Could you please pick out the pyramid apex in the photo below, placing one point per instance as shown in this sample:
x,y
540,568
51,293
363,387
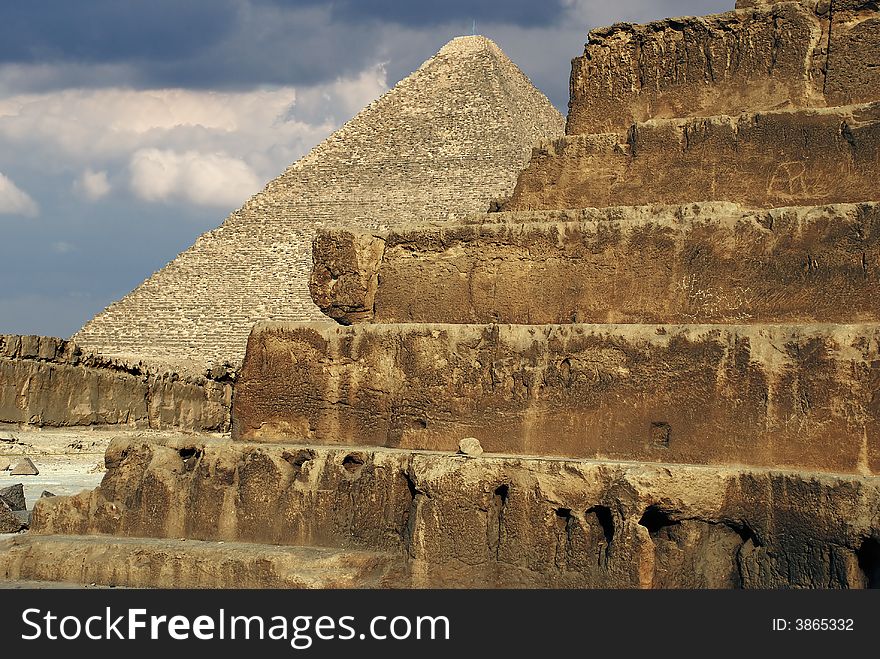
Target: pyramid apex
x,y
468,45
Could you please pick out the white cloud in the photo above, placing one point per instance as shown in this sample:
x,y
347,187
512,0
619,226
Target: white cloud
x,y
213,179
15,201
200,147
92,185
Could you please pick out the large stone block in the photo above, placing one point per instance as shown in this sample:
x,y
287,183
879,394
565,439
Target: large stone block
x,y
49,382
457,521
803,396
705,263
764,57
786,158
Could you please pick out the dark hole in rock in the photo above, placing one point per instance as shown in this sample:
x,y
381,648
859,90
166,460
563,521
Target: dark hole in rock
x,y
420,424
655,519
187,453
605,519
353,462
298,459
190,457
869,562
501,492
745,532
411,485
661,432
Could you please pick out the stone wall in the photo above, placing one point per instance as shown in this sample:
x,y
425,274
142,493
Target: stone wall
x,y
764,57
763,160
454,521
45,381
702,263
770,395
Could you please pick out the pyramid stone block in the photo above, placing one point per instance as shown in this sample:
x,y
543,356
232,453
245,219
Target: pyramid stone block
x,y
442,144
771,395
784,158
766,56
704,263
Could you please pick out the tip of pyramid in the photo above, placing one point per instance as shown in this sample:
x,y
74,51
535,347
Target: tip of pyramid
x,y
468,45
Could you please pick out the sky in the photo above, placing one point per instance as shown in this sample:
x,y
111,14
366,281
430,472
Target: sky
x,y
129,128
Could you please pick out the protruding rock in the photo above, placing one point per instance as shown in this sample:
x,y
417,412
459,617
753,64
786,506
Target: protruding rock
x,y
4,464
9,521
14,497
470,446
46,493
24,467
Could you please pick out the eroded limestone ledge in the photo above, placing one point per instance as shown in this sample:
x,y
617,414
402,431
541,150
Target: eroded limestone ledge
x,y
491,521
704,263
766,56
182,563
796,395
46,381
785,158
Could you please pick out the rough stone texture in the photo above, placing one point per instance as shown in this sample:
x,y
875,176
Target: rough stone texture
x,y
785,158
9,521
24,467
189,564
792,54
795,395
470,446
46,381
705,263
495,521
14,497
443,143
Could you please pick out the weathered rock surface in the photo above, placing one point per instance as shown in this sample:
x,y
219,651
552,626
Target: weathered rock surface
x,y
140,563
496,521
441,144
46,381
765,57
9,521
470,446
771,395
14,497
705,263
784,158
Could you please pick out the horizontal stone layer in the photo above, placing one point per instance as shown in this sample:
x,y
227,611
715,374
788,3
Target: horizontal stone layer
x,y
785,158
706,263
146,563
45,381
489,521
792,54
796,395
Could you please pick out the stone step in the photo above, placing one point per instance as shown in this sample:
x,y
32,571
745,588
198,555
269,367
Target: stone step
x,y
783,158
765,56
705,263
163,563
458,521
797,395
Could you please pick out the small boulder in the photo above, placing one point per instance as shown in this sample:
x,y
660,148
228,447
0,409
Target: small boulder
x,y
14,497
470,446
24,467
9,521
46,493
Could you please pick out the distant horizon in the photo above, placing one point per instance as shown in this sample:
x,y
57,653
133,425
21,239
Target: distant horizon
x,y
120,146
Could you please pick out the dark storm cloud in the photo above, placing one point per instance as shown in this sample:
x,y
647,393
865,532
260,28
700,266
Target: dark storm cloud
x,y
110,30
518,12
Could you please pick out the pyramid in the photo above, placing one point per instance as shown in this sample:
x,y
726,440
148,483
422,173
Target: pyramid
x,y
441,144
